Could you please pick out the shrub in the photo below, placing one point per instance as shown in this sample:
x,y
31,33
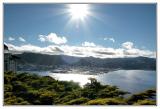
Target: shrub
x,y
89,93
25,88
15,101
106,101
148,94
19,87
77,101
145,102
31,96
8,87
9,77
65,99
110,92
47,97
8,94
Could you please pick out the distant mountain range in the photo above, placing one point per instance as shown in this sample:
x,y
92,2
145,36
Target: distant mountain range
x,y
50,61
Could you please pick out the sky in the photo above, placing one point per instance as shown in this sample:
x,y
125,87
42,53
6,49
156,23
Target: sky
x,y
98,30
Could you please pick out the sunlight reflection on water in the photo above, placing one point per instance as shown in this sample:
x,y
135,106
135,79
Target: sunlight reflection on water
x,y
128,80
80,78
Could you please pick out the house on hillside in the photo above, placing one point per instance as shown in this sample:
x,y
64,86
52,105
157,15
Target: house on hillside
x,y
10,61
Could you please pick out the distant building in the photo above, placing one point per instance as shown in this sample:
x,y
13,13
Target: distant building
x,y
10,61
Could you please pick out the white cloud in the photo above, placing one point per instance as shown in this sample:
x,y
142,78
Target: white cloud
x,y
84,51
42,38
11,39
110,39
22,39
35,49
127,45
88,44
53,38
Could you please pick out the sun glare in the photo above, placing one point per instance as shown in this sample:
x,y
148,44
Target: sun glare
x,y
78,11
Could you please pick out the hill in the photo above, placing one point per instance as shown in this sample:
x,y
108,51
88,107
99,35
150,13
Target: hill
x,y
51,61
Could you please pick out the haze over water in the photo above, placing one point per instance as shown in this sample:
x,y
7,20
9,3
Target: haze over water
x,y
129,80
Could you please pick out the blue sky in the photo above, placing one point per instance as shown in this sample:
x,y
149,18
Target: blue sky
x,y
108,25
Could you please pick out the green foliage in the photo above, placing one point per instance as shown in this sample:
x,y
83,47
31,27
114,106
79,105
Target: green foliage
x,y
15,101
69,86
47,97
142,96
111,91
32,96
8,94
31,89
9,77
94,84
89,93
106,101
8,87
77,101
145,102
67,96
19,86
95,90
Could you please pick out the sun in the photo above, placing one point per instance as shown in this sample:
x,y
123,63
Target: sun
x,y
78,11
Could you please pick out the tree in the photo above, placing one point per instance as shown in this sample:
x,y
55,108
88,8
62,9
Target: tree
x,y
47,97
77,101
107,101
145,102
148,94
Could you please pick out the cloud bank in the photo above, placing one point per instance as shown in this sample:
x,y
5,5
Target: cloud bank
x,y
127,45
53,38
11,39
87,49
22,39
88,44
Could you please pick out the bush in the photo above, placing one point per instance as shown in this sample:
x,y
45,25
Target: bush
x,y
107,101
89,93
8,87
145,102
77,101
47,97
8,94
65,99
15,101
110,92
141,96
25,88
19,87
32,96
9,77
